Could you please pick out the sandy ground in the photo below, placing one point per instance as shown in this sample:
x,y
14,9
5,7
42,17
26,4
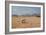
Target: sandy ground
x,y
25,22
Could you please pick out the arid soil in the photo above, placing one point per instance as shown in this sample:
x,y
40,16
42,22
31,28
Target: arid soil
x,y
25,21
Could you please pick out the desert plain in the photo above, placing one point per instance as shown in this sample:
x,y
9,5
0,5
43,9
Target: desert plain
x,y
25,22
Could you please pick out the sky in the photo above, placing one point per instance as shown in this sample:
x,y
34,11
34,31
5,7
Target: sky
x,y
22,10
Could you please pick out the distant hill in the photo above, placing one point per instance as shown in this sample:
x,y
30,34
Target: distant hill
x,y
38,15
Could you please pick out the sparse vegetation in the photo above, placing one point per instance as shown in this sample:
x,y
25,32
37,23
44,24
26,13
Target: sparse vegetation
x,y
25,21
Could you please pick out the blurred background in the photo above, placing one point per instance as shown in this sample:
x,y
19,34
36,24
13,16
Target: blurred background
x,y
26,11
